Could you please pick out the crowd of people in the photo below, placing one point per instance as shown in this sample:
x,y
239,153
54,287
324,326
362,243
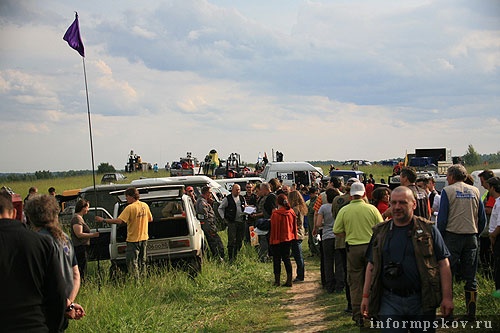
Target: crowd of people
x,y
394,254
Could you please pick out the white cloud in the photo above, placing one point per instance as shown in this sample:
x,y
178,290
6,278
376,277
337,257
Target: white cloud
x,y
363,79
141,32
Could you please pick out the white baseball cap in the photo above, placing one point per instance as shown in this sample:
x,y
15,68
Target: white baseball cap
x,y
357,189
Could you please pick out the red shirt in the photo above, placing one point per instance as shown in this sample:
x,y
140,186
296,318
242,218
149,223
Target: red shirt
x,y
369,190
283,226
382,207
490,203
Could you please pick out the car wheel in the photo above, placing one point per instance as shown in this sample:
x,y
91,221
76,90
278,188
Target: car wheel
x,y
194,267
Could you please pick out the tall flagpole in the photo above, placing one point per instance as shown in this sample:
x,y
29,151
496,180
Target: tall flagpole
x,y
72,36
93,172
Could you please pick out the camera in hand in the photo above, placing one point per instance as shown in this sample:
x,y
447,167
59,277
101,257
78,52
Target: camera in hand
x,y
393,270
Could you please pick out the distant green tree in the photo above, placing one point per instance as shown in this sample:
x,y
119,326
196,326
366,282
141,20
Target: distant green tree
x,y
492,158
105,168
45,174
472,157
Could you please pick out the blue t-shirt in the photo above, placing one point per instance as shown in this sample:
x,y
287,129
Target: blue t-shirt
x,y
398,248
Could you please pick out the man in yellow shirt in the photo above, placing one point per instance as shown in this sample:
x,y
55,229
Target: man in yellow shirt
x,y
136,215
355,222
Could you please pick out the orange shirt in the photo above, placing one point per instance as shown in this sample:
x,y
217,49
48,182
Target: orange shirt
x,y
283,226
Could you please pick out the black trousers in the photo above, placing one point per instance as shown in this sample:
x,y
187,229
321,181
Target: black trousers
x,y
281,252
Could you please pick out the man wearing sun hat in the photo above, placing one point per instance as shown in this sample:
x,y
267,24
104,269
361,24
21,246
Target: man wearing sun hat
x,y
355,222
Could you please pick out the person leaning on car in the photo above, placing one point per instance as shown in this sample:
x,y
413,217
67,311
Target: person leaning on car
x,y
137,216
206,215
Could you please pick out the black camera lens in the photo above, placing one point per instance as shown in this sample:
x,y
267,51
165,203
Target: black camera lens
x,y
393,270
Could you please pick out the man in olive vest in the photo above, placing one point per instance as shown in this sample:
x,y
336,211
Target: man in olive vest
x,y
401,282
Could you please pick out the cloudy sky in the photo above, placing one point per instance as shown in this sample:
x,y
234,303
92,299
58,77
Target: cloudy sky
x,y
317,80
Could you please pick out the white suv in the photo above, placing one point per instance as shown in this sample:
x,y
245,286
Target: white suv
x,y
175,234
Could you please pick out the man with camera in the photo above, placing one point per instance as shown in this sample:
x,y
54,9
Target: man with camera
x,y
402,284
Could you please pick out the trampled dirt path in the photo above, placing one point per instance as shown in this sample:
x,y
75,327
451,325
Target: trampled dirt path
x,y
306,314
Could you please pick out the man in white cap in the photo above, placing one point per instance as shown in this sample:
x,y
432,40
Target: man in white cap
x,y
355,222
339,202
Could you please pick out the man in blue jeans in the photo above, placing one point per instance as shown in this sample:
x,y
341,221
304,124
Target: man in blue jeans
x,y
460,220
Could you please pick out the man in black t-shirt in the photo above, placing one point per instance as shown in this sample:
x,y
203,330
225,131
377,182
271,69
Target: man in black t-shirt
x,y
31,282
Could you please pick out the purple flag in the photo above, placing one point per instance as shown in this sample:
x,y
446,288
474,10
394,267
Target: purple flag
x,y
72,36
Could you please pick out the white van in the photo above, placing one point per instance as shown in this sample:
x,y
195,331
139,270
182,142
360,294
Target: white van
x,y
300,173
477,180
228,183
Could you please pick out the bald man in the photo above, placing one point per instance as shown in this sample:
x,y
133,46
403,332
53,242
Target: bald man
x,y
400,274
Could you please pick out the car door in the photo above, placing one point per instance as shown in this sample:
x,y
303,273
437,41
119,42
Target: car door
x,y
99,247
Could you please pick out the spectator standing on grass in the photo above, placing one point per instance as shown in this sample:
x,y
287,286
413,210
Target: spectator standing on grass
x,y
408,177
355,221
494,229
400,275
43,212
283,232
434,198
137,216
52,191
331,260
251,200
275,185
231,209
300,209
206,215
381,198
81,235
340,246
460,220
485,248
265,207
370,187
32,288
33,191
335,184
313,196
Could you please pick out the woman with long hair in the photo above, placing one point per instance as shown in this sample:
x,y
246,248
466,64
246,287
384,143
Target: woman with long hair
x,y
283,232
296,201
81,235
43,212
381,197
